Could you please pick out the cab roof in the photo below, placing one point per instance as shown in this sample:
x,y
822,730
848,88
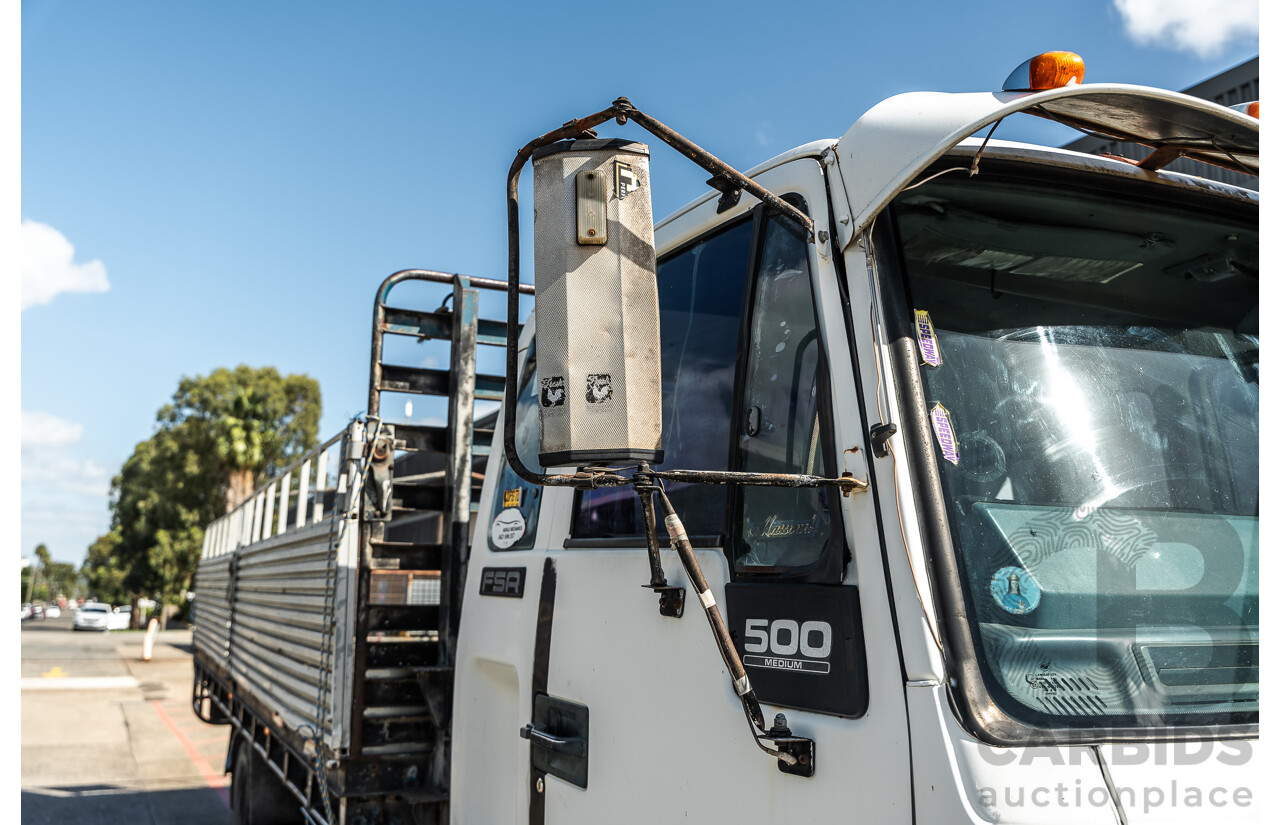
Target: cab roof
x,y
897,139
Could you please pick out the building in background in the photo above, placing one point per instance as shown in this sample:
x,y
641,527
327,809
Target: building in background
x,y
1236,85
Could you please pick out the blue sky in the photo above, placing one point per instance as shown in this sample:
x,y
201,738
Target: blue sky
x,y
208,184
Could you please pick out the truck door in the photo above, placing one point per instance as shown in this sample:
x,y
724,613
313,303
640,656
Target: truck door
x,y
629,715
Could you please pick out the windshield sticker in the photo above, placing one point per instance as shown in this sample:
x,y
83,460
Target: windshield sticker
x,y
507,528
1015,590
776,528
929,352
511,498
946,435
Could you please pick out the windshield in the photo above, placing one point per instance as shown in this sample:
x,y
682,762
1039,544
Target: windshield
x,y
1090,371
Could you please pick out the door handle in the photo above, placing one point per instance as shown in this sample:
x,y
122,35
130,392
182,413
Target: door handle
x,y
558,735
568,745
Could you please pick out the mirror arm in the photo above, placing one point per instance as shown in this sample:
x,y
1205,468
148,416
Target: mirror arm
x,y
711,163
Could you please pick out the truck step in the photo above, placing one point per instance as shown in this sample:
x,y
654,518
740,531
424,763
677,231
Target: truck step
x,y
409,618
398,712
399,749
439,325
424,438
393,656
391,692
406,555
412,497
422,796
419,732
422,381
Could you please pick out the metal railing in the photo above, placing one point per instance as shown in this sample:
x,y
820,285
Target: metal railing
x,y
298,495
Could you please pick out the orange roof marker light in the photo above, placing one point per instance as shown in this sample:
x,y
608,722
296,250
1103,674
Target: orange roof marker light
x,y
1250,109
1050,70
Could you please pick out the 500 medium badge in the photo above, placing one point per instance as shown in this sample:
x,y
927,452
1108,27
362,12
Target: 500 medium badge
x,y
793,646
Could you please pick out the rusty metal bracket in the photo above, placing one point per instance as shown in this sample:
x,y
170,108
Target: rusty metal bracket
x,y
378,493
670,597
731,178
730,195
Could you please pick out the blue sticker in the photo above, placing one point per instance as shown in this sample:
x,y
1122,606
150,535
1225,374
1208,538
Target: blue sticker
x,y
1015,590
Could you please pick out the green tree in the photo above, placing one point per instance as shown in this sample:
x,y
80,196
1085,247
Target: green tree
x,y
213,445
249,421
37,584
104,571
61,578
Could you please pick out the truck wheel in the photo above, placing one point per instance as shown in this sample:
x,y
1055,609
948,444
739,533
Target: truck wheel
x,y
258,797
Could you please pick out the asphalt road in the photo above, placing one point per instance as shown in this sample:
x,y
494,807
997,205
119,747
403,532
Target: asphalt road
x,y
108,738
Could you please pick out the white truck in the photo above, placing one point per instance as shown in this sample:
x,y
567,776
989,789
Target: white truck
x,y
958,452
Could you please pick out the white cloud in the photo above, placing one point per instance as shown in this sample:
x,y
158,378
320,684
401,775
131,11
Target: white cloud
x,y
46,261
1202,28
63,477
39,429
64,496
51,470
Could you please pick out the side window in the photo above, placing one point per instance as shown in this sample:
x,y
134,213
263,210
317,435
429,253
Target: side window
x,y
781,429
700,291
513,519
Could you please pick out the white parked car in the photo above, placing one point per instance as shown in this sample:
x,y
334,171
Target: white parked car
x,y
119,618
93,616
52,611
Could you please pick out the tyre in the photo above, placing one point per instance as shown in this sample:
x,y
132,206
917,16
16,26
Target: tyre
x,y
258,797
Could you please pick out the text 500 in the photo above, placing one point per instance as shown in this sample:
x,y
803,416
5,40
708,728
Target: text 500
x,y
783,637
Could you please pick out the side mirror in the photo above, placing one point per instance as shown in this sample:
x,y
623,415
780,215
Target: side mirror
x,y
596,303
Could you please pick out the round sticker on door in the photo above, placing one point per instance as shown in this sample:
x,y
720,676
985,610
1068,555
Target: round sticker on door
x,y
1015,590
507,528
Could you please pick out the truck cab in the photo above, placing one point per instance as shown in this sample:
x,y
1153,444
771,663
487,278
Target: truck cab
x,y
1043,607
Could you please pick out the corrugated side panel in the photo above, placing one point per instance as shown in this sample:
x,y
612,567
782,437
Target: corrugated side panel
x,y
268,624
211,611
